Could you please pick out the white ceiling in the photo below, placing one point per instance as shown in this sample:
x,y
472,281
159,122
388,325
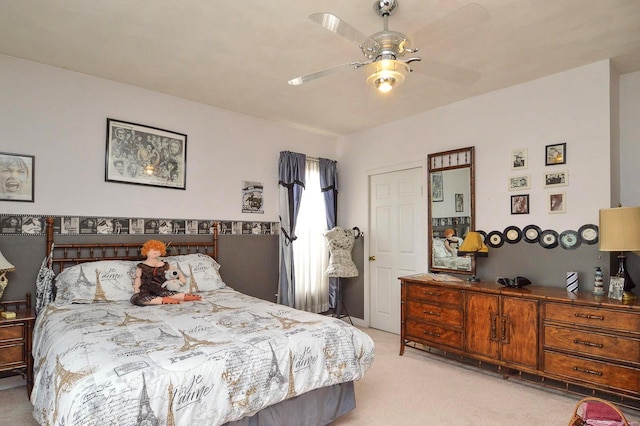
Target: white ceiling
x,y
239,55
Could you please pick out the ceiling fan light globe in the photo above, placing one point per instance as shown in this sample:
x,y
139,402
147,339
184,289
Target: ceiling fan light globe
x,y
386,74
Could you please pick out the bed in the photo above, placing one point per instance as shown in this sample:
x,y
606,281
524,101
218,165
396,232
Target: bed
x,y
227,359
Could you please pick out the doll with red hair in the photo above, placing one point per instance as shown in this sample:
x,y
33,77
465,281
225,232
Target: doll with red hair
x,y
150,275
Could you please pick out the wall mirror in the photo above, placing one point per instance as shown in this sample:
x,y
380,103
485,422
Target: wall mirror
x,y
451,209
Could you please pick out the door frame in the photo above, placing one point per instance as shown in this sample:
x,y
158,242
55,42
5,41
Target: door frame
x,y
422,164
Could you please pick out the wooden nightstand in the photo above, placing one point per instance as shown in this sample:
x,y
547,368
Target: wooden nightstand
x,y
15,339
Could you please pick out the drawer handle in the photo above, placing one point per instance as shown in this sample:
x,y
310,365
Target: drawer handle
x,y
584,370
589,316
581,342
431,333
432,293
437,314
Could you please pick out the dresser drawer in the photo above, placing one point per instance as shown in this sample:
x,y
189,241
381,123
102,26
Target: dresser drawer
x,y
11,332
434,313
608,375
433,333
602,345
11,355
593,317
435,294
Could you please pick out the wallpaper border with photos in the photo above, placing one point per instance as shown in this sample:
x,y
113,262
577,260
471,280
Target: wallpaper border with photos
x,y
22,224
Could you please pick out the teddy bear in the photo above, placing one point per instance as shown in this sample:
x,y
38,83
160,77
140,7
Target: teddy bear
x,y
172,280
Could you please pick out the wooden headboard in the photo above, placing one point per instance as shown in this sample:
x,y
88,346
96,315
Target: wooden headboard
x,y
68,254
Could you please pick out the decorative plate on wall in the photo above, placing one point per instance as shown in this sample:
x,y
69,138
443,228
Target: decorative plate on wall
x,y
512,234
548,239
494,239
588,234
531,233
569,240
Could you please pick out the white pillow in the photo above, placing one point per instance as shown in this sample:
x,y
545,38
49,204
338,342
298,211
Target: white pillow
x,y
78,284
205,271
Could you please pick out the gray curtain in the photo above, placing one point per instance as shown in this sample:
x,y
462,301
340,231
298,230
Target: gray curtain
x,y
291,176
329,187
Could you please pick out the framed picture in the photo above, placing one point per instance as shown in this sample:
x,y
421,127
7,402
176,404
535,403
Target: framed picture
x,y
459,202
555,154
144,155
519,160
16,177
520,204
552,180
518,183
616,288
437,193
557,202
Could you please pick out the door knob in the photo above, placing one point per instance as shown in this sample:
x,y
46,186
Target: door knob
x,y
372,258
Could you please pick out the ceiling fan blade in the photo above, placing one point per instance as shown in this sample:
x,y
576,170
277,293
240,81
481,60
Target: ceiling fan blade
x,y
447,72
336,25
306,78
465,17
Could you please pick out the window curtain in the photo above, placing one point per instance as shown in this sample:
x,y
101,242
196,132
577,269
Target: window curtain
x,y
310,254
329,188
291,177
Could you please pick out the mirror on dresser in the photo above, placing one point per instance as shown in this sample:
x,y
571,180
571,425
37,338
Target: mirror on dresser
x,y
451,209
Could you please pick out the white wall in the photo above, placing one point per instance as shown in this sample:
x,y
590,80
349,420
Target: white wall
x,y
60,117
630,139
571,107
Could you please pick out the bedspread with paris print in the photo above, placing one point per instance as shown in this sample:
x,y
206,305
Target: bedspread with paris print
x,y
198,363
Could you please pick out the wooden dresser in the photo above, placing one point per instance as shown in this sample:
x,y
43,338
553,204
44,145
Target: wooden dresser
x,y
583,343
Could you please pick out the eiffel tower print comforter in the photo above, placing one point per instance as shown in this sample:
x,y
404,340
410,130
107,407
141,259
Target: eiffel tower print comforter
x,y
199,363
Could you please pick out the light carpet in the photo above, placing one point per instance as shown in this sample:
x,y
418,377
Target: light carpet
x,y
414,389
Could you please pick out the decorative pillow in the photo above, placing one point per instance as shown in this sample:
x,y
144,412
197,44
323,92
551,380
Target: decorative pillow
x,y
90,282
200,270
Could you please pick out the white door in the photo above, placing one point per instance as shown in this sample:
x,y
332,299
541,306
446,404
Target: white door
x,y
395,243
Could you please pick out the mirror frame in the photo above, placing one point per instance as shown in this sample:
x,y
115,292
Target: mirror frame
x,y
440,162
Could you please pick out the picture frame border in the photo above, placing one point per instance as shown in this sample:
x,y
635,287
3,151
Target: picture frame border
x,y
525,156
32,177
554,185
528,205
562,146
519,188
109,173
616,291
564,202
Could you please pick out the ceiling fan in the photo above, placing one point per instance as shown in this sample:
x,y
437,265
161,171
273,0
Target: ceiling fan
x,y
386,62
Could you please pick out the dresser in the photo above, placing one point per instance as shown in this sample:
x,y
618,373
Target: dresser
x,y
15,338
571,340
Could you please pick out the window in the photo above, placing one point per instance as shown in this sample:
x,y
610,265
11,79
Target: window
x,y
310,253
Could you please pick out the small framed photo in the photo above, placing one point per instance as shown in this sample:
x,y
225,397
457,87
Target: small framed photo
x,y
616,288
554,179
459,202
519,160
520,204
437,189
16,177
557,202
145,155
518,183
555,154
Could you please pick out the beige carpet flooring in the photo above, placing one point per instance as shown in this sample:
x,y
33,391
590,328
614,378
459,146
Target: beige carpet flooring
x,y
414,389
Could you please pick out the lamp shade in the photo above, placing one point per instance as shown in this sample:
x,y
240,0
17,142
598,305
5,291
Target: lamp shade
x,y
385,74
620,229
473,244
5,266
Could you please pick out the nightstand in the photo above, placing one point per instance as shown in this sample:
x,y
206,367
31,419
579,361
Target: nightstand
x,y
15,338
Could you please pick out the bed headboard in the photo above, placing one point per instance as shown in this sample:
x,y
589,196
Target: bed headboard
x,y
68,254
